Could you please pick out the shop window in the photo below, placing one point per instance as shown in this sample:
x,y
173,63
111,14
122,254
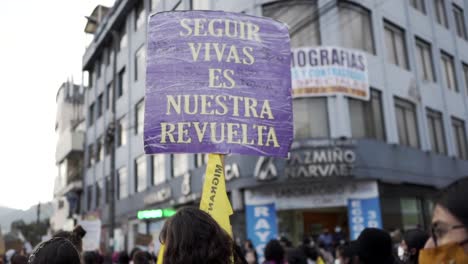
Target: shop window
x,y
440,13
465,73
310,118
122,178
448,71
367,120
411,213
140,173
395,44
459,133
407,123
419,5
159,169
356,27
435,126
424,60
302,18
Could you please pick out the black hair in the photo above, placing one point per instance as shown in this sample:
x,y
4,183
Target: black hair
x,y
193,236
133,252
123,258
453,198
18,259
92,257
75,237
274,251
141,257
57,250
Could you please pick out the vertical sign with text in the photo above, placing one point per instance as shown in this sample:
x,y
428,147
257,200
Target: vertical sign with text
x,y
261,226
363,213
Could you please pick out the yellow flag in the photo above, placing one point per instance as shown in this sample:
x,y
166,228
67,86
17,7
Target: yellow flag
x,y
160,255
214,198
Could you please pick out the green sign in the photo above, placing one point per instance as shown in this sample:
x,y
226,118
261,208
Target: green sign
x,y
156,213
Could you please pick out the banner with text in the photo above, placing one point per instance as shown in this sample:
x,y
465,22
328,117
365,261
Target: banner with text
x,y
218,82
92,239
261,226
363,213
323,71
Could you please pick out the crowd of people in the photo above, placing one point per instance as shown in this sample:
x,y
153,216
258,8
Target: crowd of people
x,y
192,236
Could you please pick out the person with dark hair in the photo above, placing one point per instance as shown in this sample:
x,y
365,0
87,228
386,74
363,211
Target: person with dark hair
x,y
413,241
375,246
250,254
449,230
347,253
142,257
75,237
18,259
58,250
133,252
123,258
193,236
274,253
91,257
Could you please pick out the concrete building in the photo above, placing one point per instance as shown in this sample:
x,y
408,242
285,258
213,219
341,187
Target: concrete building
x,y
69,155
403,144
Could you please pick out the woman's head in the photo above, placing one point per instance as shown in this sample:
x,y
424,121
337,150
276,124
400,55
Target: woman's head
x,y
57,250
450,217
75,237
274,251
198,236
413,241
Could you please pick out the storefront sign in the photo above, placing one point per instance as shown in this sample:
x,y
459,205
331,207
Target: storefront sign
x,y
155,214
262,226
231,171
159,196
363,213
265,169
92,239
335,161
218,82
324,71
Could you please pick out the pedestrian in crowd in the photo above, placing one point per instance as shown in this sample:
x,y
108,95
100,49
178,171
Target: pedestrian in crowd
x,y
19,259
413,241
201,238
326,239
91,257
58,250
304,254
274,253
339,237
347,253
324,256
132,253
250,254
123,258
375,246
141,257
75,237
449,229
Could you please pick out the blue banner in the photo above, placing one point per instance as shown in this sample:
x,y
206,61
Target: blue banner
x,y
261,226
363,213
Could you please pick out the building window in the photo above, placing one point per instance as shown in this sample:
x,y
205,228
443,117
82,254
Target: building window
x,y
90,78
91,115
356,27
140,117
411,213
396,45
98,193
424,60
419,5
90,155
367,120
159,168
123,38
140,63
301,18
310,118
459,21
99,150
436,131
459,134
179,164
109,88
98,68
121,132
140,173
441,15
201,159
89,196
465,72
108,55
108,187
122,177
100,105
139,15
408,132
449,71
122,83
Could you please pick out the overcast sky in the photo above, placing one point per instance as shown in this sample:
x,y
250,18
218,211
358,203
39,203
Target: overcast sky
x,y
42,43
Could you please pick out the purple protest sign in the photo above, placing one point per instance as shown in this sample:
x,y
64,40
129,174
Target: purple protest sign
x,y
218,82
